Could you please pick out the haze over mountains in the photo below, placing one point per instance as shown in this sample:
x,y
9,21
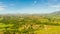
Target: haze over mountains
x,y
53,13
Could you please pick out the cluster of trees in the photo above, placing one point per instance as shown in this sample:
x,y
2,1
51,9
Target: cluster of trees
x,y
25,24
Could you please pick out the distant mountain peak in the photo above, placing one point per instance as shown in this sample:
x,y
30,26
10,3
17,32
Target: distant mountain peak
x,y
56,13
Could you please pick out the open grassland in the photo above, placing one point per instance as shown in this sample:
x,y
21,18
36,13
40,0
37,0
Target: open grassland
x,y
49,30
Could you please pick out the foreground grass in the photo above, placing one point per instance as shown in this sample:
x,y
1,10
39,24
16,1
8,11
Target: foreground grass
x,y
49,30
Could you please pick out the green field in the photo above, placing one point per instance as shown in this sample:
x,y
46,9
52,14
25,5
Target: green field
x,y
49,30
29,24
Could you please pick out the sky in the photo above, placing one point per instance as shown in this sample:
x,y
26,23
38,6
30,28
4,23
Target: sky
x,y
29,6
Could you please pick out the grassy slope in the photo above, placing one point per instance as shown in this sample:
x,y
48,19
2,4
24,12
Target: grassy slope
x,y
49,30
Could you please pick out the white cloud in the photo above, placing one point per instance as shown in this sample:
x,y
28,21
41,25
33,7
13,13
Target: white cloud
x,y
55,6
2,8
52,5
52,8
